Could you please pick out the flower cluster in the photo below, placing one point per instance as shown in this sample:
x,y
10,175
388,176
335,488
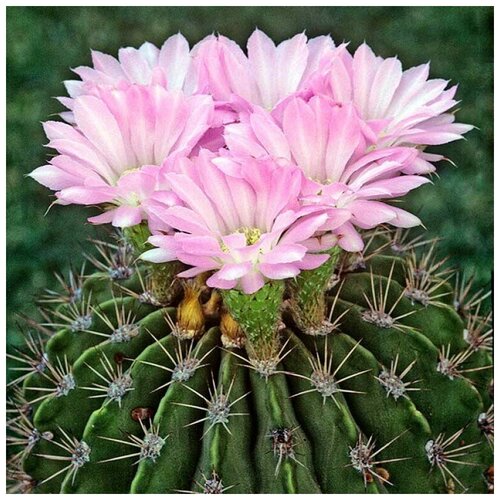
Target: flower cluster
x,y
254,165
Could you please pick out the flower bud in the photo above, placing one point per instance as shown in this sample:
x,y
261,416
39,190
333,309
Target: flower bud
x,y
232,334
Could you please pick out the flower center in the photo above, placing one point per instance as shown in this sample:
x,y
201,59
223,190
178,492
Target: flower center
x,y
325,182
129,171
252,234
131,198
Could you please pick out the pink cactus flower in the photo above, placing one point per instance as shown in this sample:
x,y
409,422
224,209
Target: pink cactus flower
x,y
325,141
399,107
120,138
347,132
170,66
246,225
268,75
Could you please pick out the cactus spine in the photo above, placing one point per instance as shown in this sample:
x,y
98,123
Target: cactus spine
x,y
116,397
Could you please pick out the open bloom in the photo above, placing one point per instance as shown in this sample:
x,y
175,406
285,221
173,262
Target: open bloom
x,y
352,128
267,75
120,138
169,66
247,224
399,107
325,141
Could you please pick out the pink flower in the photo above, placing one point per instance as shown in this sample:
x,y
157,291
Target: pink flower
x,y
325,141
120,138
170,66
399,107
247,224
267,75
346,132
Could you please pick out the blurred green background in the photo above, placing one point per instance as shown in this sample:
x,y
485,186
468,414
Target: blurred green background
x,y
44,43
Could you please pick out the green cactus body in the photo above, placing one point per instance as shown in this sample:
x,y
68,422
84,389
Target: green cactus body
x,y
393,399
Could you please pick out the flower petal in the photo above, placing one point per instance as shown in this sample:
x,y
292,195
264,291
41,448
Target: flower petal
x,y
234,271
158,255
279,271
127,216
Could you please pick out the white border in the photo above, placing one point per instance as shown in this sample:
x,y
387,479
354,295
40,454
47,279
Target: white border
x,y
351,3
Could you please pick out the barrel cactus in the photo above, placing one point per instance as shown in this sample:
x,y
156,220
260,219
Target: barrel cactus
x,y
132,396
262,322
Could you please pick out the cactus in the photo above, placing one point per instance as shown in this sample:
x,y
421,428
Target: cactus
x,y
256,327
120,392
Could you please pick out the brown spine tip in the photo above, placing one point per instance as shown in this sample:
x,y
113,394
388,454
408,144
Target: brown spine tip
x,y
383,473
140,414
119,357
489,474
368,477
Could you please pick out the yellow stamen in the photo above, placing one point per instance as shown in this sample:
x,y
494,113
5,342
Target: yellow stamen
x,y
252,234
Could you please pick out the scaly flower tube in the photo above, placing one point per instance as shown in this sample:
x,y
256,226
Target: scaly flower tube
x,y
249,228
325,141
113,153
